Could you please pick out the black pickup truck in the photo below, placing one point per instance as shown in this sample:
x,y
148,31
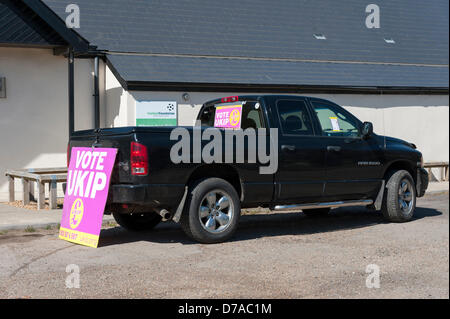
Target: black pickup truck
x,y
321,157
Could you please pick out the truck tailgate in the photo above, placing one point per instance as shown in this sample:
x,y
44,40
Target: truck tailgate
x,y
119,138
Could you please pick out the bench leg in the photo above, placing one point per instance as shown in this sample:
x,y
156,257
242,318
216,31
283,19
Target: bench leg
x,y
31,186
26,191
41,195
11,188
53,202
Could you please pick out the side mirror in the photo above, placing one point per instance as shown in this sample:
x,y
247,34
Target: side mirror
x,y
367,129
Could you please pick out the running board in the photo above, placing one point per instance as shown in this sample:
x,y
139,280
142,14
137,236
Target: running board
x,y
326,205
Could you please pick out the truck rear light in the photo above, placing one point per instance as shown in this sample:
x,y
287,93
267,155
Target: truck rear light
x,y
138,159
229,99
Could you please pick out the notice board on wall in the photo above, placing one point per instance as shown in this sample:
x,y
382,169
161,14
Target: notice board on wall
x,y
156,113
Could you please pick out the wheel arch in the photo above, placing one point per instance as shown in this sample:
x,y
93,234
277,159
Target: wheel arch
x,y
400,165
223,171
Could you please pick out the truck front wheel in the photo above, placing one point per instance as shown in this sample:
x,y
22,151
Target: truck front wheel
x,y
212,211
399,200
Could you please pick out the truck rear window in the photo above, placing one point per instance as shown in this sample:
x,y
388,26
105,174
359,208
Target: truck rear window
x,y
252,116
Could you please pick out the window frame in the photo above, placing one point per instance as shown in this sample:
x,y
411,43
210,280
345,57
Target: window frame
x,y
341,110
308,110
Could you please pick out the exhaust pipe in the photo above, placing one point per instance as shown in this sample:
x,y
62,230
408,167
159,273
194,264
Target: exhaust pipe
x,y
165,214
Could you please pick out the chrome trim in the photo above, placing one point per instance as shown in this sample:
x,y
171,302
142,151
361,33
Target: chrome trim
x,y
165,214
406,197
216,211
364,202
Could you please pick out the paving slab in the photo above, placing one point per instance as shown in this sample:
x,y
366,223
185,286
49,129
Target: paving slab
x,y
437,187
20,218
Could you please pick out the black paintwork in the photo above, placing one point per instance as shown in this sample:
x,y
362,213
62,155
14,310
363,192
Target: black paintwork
x,y
313,168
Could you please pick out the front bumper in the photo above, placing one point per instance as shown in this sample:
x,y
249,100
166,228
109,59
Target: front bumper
x,y
422,182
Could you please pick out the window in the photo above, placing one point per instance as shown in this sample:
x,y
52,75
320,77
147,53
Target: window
x,y
319,36
207,116
252,116
335,121
294,117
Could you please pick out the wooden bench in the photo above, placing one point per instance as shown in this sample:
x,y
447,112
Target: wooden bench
x,y
40,176
443,170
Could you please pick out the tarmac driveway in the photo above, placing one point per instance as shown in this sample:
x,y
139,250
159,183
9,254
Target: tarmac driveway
x,y
282,255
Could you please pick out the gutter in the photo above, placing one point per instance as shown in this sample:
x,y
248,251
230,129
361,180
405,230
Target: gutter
x,y
96,94
268,88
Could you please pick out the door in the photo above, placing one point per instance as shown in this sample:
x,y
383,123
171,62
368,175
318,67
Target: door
x,y
353,164
301,170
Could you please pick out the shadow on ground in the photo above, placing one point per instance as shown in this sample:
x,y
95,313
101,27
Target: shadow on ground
x,y
264,225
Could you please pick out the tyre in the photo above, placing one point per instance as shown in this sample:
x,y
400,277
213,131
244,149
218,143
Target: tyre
x,y
137,221
399,200
319,212
211,212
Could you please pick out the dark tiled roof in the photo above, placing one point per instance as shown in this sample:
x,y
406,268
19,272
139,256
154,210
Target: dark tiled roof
x,y
133,68
267,28
275,30
19,25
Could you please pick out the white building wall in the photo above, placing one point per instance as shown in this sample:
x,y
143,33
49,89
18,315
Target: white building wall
x,y
119,104
34,114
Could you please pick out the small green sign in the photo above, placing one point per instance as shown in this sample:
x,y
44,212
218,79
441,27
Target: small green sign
x,y
156,113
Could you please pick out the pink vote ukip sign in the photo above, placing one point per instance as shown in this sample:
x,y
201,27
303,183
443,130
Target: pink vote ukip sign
x,y
228,116
88,180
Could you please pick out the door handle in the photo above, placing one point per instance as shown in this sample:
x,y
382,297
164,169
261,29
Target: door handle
x,y
288,148
334,148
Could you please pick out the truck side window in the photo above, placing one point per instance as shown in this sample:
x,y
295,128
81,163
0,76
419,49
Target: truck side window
x,y
294,117
334,121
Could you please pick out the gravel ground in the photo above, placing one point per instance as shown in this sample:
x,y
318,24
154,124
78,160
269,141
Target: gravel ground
x,y
33,204
282,255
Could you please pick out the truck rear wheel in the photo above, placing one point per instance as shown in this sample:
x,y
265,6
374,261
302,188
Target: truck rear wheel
x,y
399,201
212,211
137,221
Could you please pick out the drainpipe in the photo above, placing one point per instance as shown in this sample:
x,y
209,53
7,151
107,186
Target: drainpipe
x,y
96,94
71,90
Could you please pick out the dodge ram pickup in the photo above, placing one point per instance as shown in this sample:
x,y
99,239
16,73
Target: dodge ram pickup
x,y
320,157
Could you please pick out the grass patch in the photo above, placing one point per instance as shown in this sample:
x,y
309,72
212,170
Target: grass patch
x,y
30,229
111,224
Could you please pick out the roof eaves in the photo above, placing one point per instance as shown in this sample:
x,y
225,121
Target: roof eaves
x,y
78,43
268,88
119,78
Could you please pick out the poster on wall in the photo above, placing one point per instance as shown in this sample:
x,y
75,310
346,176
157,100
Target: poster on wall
x,y
156,113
